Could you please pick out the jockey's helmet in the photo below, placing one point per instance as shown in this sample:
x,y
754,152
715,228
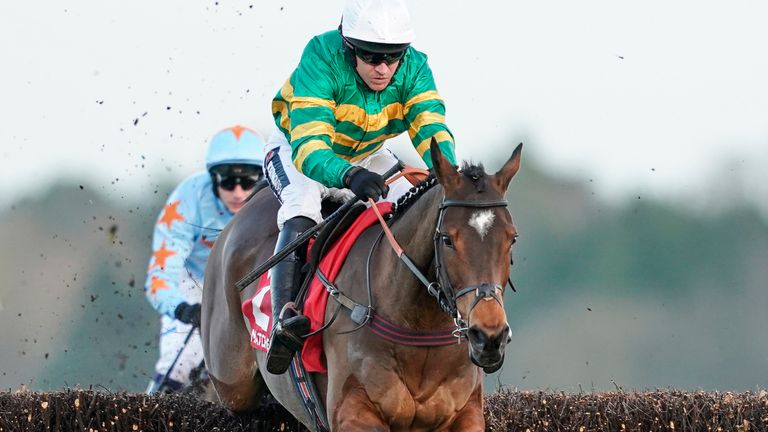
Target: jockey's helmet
x,y
377,26
235,146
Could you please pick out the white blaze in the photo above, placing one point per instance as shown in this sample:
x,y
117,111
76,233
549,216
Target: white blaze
x,y
482,221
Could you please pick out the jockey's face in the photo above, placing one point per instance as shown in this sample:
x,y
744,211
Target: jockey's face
x,y
234,199
377,77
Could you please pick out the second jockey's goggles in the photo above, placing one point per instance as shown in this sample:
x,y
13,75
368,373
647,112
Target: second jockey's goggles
x,y
375,58
228,183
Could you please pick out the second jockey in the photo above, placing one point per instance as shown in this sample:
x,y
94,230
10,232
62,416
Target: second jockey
x,y
354,88
195,213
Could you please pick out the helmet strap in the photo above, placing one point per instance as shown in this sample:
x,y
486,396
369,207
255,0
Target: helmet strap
x,y
215,185
348,51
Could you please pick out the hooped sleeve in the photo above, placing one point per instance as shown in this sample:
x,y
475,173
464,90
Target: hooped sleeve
x,y
312,119
424,111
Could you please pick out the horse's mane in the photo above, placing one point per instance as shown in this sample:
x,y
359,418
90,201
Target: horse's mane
x,y
475,173
413,194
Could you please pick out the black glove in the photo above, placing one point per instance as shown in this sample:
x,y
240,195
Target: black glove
x,y
188,314
366,184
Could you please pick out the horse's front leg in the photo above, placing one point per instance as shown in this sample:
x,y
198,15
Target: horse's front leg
x,y
471,418
355,411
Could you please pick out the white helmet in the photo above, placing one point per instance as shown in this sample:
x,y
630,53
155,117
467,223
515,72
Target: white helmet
x,y
378,22
235,145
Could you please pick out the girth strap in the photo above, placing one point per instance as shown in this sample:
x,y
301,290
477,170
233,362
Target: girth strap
x,y
307,391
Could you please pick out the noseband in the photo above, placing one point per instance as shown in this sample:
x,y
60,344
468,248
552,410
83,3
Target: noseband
x,y
443,290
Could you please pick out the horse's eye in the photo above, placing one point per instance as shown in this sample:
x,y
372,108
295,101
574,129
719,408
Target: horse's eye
x,y
447,240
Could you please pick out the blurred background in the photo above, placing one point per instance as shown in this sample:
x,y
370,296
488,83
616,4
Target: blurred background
x,y
642,203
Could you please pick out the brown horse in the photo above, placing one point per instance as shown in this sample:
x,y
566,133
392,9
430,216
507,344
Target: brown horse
x,y
458,235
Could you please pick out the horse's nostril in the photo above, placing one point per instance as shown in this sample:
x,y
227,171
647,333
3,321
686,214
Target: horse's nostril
x,y
502,337
477,336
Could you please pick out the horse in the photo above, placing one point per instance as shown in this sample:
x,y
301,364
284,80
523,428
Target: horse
x,y
457,234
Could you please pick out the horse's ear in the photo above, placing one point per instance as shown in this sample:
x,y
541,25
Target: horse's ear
x,y
446,173
505,174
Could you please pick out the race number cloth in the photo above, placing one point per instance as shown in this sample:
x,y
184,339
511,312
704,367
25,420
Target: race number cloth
x,y
258,312
258,309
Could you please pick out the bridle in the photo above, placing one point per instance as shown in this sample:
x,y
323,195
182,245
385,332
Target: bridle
x,y
446,295
441,289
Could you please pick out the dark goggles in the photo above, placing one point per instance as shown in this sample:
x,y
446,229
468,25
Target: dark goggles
x,y
374,58
228,183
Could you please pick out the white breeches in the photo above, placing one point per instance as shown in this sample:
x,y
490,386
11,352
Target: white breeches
x,y
172,336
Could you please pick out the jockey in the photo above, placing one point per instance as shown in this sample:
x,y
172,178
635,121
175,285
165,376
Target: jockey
x,y
354,88
195,213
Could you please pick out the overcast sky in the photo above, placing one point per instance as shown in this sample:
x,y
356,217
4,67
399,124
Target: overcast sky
x,y
652,96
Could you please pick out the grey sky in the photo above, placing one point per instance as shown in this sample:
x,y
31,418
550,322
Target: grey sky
x,y
654,96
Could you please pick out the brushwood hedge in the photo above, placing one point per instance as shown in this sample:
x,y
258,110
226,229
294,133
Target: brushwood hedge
x,y
660,410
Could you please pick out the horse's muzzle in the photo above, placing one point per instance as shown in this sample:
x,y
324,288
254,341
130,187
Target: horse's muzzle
x,y
488,351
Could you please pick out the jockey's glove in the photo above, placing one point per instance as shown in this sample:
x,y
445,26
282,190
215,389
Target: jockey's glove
x,y
188,313
366,184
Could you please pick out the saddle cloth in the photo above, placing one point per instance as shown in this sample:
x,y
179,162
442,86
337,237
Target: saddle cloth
x,y
258,309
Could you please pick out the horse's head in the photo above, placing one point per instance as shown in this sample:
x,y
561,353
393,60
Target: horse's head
x,y
473,247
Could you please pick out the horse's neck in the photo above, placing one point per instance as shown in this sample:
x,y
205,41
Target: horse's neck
x,y
415,232
416,228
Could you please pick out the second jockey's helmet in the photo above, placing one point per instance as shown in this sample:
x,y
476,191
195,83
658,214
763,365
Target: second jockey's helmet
x,y
235,146
378,26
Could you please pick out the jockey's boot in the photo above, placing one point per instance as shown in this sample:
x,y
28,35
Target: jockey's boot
x,y
289,326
